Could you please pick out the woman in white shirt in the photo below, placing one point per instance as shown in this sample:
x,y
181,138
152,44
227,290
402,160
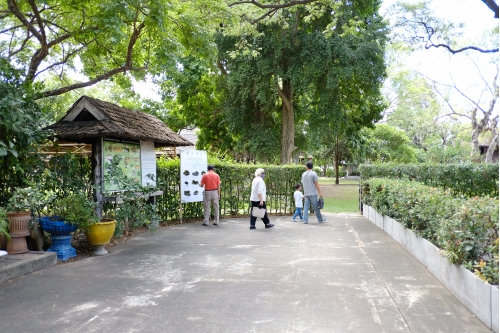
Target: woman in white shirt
x,y
258,198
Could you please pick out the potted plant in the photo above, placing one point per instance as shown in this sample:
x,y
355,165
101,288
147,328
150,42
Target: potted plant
x,y
68,214
21,205
100,234
4,228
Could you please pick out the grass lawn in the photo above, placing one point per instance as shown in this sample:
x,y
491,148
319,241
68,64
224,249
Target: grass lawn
x,y
346,204
342,198
331,181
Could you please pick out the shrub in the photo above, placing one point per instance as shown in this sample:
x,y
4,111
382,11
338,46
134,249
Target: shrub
x,y
469,179
331,173
470,237
466,229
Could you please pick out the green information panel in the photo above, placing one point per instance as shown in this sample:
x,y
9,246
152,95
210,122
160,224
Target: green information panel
x,y
130,162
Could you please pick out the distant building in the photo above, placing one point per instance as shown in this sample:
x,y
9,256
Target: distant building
x,y
483,148
188,135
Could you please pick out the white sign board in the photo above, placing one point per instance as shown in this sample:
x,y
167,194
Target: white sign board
x,y
193,166
148,162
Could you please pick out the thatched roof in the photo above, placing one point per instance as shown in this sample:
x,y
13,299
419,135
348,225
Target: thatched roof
x,y
92,118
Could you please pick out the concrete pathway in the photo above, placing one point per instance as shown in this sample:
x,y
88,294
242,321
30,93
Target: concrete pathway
x,y
345,275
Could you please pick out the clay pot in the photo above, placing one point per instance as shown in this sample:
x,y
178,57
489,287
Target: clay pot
x,y
18,230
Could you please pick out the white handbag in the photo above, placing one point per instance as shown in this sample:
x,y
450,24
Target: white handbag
x,y
258,212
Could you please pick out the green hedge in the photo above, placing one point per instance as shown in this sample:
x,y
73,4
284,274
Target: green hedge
x,y
236,181
469,179
466,229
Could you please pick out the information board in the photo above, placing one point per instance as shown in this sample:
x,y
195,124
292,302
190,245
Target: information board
x,y
193,166
130,162
148,162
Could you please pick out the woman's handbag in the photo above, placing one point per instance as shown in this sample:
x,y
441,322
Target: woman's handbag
x,y
258,212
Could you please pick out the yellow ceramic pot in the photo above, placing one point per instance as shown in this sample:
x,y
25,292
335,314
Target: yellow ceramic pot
x,y
101,232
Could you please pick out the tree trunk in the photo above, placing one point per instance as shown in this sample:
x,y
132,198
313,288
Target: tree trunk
x,y
474,135
337,157
287,122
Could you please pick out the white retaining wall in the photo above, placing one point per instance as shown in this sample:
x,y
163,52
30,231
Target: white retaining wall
x,y
479,297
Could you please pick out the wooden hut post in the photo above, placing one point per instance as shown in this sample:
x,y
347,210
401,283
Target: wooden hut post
x,y
97,173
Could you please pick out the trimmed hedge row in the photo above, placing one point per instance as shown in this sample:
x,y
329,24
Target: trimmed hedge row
x,y
469,179
466,229
236,182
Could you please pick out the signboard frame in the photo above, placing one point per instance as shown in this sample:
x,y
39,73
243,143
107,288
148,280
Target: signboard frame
x,y
193,166
139,160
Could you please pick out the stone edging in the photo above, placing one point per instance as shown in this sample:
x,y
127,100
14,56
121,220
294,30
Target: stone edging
x,y
479,297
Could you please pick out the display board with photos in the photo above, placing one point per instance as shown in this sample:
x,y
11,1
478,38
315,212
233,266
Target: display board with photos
x,y
193,166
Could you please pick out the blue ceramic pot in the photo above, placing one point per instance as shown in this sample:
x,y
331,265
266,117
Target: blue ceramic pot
x,y
60,234
56,227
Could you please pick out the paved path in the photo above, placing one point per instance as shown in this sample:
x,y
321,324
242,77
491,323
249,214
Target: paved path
x,y
345,275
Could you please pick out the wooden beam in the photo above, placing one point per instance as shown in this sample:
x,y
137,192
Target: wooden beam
x,y
97,174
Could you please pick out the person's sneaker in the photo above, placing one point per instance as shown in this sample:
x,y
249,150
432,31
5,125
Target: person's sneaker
x,y
269,225
252,227
305,222
323,220
215,223
205,224
294,220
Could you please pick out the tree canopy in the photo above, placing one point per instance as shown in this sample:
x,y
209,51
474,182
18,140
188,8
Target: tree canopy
x,y
102,39
300,70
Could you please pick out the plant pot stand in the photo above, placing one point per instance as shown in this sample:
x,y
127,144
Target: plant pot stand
x,y
60,234
100,234
62,246
18,230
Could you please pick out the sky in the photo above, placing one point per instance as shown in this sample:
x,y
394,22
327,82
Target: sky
x,y
441,66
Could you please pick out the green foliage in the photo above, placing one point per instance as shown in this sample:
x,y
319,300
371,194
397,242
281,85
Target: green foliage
x,y
66,174
420,115
324,58
385,143
416,206
471,234
465,229
108,38
469,179
75,209
29,199
4,224
236,181
20,134
331,173
134,211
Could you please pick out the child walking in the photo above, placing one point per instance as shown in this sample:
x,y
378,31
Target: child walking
x,y
297,196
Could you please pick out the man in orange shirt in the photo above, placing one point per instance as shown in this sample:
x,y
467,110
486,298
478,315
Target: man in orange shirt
x,y
211,182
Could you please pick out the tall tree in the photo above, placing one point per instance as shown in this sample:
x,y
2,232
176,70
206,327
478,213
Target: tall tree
x,y
295,64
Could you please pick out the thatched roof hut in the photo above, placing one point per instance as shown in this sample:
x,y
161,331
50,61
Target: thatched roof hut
x,y
90,118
